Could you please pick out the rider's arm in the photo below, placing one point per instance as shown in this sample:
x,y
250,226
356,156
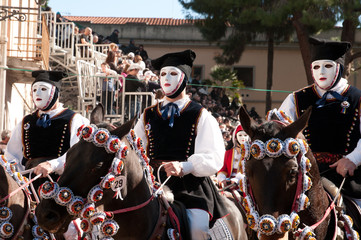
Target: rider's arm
x,y
288,107
14,151
355,155
208,150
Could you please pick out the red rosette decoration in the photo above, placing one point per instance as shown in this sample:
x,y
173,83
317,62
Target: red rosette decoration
x,y
113,145
139,143
109,227
124,151
258,149
5,214
63,196
95,194
284,223
305,164
117,166
6,230
303,202
88,132
107,181
37,231
303,145
49,189
75,206
85,225
295,220
292,147
274,147
252,219
88,210
267,224
307,234
307,183
101,137
132,135
79,131
97,218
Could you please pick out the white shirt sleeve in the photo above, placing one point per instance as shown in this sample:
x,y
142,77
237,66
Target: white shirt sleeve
x,y
140,131
14,148
57,164
208,150
288,107
355,155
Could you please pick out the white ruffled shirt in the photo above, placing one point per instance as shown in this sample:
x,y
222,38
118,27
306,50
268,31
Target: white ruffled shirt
x,y
288,106
209,146
14,149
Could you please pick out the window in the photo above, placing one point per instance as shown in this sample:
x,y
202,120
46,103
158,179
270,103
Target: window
x,y
197,72
245,74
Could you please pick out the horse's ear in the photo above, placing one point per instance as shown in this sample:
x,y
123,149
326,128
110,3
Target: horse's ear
x,y
297,126
124,128
246,121
97,115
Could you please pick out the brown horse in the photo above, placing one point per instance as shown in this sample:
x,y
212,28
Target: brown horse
x,y
273,180
86,164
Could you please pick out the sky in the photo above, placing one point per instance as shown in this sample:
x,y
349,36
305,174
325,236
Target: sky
x,y
119,8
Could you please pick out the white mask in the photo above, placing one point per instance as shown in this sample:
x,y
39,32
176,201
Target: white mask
x,y
171,79
325,73
42,94
242,137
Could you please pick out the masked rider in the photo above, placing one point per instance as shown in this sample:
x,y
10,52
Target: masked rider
x,y
333,130
186,137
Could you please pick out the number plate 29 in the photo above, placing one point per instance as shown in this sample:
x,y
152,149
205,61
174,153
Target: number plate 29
x,y
119,183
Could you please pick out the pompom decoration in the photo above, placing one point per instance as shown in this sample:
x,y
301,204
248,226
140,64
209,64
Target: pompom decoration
x,y
258,150
109,227
79,131
5,214
63,196
88,132
113,145
6,230
247,203
95,194
49,189
274,147
267,224
85,225
107,181
139,143
307,183
252,219
37,231
307,234
303,202
123,151
284,223
97,218
88,210
101,137
245,150
295,220
75,206
305,164
117,166
303,145
292,147
132,135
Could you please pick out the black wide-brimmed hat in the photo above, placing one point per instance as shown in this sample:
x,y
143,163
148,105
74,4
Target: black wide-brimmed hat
x,y
182,60
322,49
52,77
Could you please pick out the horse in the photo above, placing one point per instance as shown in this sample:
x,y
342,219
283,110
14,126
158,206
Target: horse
x,y
274,181
140,213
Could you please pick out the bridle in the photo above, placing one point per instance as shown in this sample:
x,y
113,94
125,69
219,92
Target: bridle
x,y
85,208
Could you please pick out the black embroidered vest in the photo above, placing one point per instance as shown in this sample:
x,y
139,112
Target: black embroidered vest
x,y
171,143
52,141
330,130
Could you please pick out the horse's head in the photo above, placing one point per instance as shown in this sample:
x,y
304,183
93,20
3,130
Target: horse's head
x,y
272,173
87,162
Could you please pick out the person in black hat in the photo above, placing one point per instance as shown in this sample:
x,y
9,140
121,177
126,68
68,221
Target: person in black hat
x,y
49,131
333,130
186,138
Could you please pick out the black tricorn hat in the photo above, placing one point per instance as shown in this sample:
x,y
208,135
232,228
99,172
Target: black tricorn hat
x,y
322,49
182,60
52,77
